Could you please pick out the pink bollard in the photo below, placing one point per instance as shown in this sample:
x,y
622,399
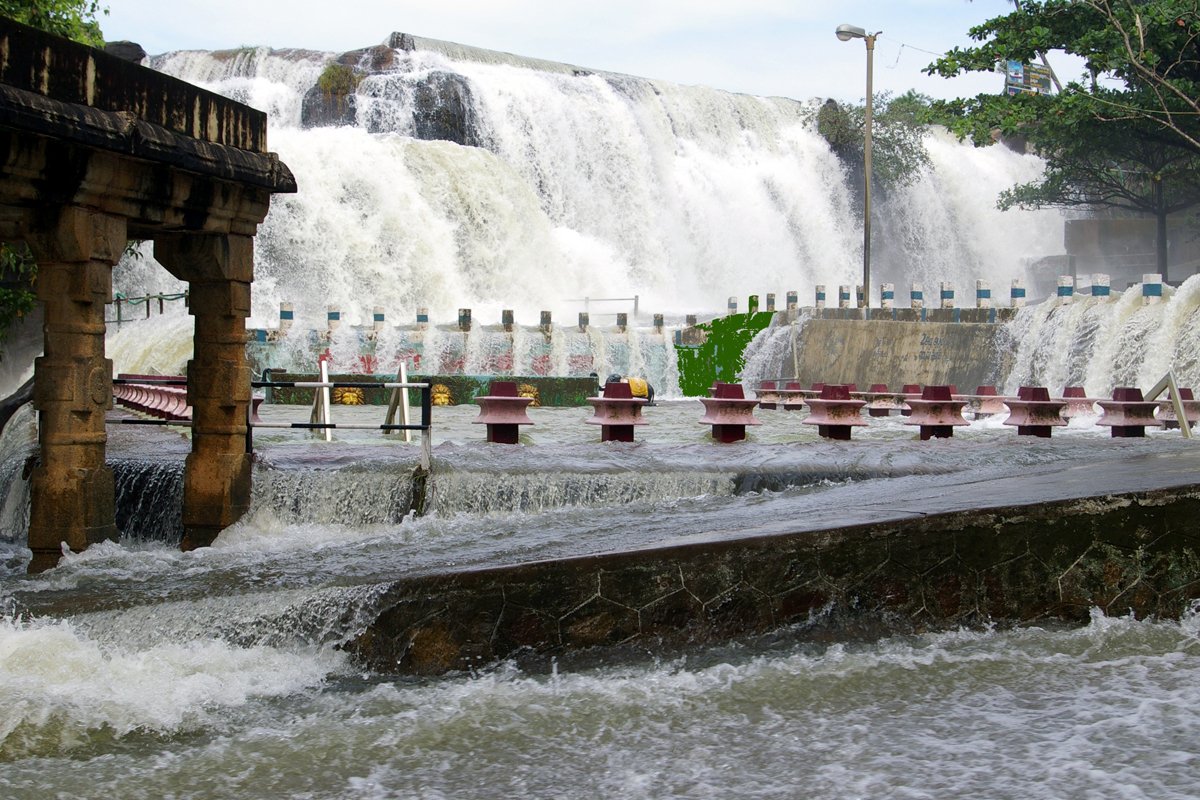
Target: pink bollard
x,y
1127,413
1034,413
835,413
767,394
880,402
909,390
1191,410
1078,403
503,412
986,402
617,412
792,396
728,411
936,412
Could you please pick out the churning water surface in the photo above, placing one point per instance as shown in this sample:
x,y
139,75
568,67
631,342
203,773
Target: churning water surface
x,y
134,670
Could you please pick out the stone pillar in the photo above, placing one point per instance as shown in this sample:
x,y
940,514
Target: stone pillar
x,y
72,489
216,481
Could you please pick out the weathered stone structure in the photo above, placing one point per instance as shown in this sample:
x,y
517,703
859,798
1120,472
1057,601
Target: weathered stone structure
x,y
1120,538
96,151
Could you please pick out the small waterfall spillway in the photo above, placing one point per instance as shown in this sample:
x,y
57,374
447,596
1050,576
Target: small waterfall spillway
x,y
1103,344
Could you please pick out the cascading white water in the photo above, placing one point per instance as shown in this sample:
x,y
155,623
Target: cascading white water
x,y
585,184
1102,345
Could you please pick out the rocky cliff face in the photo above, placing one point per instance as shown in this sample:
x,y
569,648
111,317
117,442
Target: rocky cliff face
x,y
439,102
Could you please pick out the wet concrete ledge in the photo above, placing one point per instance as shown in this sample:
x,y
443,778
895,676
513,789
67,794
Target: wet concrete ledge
x,y
1054,558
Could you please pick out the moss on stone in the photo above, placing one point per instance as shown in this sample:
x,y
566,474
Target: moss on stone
x,y
338,79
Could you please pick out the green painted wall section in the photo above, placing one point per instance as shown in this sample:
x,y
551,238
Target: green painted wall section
x,y
719,357
452,389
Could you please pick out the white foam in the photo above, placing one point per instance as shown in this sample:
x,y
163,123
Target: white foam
x,y
59,688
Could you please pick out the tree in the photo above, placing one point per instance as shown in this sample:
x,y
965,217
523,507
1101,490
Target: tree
x,y
1140,56
1120,136
74,19
898,128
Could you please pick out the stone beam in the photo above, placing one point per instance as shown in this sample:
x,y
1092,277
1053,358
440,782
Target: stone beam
x,y
219,270
72,488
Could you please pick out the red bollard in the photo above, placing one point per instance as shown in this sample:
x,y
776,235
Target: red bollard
x,y
1127,413
767,394
936,412
1191,410
880,402
617,412
729,412
986,402
1078,403
835,413
909,390
1034,413
792,396
503,412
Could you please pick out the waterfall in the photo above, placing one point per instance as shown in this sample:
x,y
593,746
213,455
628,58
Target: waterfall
x,y
1102,344
464,178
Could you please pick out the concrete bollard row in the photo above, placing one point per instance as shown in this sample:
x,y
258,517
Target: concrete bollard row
x,y
163,402
983,294
887,295
1016,294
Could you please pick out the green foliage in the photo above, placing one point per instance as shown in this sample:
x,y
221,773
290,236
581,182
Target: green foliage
x,y
1125,134
74,19
338,79
898,128
17,273
1140,63
721,357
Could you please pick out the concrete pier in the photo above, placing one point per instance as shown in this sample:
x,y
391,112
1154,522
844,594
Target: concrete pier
x,y
97,151
1052,543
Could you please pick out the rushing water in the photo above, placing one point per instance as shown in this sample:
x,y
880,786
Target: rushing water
x,y
135,670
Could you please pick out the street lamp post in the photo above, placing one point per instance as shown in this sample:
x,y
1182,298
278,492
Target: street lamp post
x,y
846,33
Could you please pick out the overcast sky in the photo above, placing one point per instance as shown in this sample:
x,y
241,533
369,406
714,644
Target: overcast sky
x,y
767,47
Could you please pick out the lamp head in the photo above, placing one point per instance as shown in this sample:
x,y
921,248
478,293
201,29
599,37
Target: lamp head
x,y
847,32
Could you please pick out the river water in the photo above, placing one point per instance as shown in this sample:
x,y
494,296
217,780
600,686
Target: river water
x,y
134,670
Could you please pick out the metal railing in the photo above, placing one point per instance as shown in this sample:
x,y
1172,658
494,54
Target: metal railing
x,y
122,305
399,389
587,301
